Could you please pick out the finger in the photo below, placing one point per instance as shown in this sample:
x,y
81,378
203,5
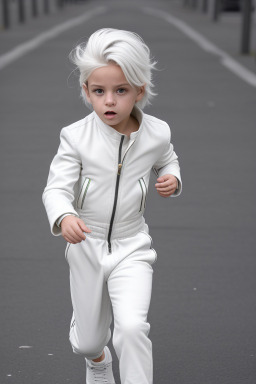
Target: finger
x,y
166,177
165,189
72,234
172,190
162,195
70,239
164,184
79,236
83,226
166,193
161,179
78,231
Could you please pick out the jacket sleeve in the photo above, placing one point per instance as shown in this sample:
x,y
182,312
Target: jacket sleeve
x,y
58,195
168,164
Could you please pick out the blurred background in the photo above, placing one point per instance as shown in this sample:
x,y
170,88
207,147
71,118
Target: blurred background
x,y
203,306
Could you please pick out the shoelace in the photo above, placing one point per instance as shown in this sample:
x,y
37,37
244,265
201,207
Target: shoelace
x,y
99,373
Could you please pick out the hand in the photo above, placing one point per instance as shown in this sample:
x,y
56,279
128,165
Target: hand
x,y
73,228
167,185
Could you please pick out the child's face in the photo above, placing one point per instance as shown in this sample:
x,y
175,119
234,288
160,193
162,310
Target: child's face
x,y
111,96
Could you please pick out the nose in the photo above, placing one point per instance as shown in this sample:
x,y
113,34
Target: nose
x,y
110,99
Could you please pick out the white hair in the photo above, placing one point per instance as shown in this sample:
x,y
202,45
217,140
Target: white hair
x,y
126,49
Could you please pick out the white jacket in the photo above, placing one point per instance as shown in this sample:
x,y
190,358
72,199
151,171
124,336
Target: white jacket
x,y
102,176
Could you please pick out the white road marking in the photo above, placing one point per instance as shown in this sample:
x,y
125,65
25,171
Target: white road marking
x,y
206,45
25,346
30,45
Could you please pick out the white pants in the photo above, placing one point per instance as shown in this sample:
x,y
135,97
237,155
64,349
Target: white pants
x,y
123,280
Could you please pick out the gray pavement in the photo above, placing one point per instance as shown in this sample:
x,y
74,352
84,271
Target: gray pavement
x,y
203,305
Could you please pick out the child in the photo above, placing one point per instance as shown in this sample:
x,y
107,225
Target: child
x,y
95,197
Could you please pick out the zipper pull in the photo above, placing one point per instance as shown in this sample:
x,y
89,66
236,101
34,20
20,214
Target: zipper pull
x,y
119,168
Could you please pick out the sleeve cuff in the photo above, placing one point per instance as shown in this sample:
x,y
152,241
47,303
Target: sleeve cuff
x,y
179,188
59,220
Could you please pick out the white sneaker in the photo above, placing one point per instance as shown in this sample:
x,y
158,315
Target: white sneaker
x,y
100,373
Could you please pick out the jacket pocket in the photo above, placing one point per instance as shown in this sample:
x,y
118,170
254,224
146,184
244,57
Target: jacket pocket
x,y
143,188
151,261
83,191
66,251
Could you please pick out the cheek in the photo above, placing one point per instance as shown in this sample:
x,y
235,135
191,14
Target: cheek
x,y
132,99
126,105
93,98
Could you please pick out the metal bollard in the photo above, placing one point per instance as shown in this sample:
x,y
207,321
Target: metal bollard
x,y
194,4
46,6
216,10
34,8
21,11
6,14
205,6
60,3
246,26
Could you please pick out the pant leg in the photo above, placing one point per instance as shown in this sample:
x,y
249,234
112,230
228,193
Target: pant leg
x,y
130,285
92,316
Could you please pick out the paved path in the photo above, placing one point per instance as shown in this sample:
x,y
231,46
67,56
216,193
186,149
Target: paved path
x,y
203,305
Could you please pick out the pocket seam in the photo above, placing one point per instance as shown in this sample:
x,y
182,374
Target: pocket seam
x,y
88,180
66,251
151,245
144,194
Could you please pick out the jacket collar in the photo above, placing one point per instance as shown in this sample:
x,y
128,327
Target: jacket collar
x,y
136,112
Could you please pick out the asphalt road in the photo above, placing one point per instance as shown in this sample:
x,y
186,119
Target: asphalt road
x,y
203,307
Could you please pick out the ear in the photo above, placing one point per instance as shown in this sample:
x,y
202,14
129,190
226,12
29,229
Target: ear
x,y
87,94
140,93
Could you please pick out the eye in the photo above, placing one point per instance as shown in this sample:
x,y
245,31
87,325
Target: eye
x,y
121,91
98,91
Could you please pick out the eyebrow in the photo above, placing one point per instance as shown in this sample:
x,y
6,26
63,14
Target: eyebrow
x,y
117,86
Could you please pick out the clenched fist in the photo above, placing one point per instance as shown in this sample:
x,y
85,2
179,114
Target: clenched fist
x,y
166,185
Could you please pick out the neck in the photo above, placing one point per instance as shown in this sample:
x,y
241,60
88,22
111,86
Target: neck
x,y
128,126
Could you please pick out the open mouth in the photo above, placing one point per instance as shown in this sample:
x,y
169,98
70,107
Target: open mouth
x,y
110,113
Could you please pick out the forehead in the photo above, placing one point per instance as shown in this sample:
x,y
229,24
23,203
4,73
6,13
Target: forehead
x,y
111,74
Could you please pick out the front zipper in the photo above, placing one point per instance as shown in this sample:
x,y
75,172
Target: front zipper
x,y
119,169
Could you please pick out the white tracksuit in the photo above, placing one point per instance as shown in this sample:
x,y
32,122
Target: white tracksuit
x,y
102,176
